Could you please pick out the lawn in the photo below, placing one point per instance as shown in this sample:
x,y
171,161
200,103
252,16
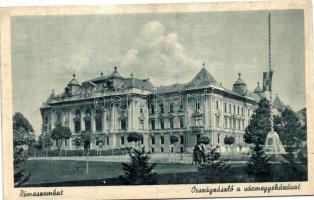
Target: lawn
x,y
73,173
47,171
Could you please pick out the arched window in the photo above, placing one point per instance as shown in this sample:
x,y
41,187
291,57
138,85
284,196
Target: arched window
x,y
87,120
77,121
98,120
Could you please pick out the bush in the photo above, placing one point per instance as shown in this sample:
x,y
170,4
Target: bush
x,y
139,171
213,167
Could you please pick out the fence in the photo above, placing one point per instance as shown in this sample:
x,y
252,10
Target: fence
x,y
69,153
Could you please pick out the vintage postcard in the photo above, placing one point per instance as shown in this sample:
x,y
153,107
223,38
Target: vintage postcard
x,y
194,100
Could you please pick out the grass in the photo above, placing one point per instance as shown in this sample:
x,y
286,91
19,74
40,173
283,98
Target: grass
x,y
73,173
47,171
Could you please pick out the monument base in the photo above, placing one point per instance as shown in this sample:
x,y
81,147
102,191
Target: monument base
x,y
273,144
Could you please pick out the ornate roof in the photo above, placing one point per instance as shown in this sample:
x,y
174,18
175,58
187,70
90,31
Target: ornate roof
x,y
240,86
74,81
115,73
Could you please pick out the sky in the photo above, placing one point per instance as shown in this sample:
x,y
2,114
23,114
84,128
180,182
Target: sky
x,y
167,48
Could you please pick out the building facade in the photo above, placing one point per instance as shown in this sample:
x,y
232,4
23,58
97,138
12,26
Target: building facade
x,y
111,107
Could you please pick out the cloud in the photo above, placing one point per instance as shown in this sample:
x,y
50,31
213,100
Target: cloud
x,y
160,54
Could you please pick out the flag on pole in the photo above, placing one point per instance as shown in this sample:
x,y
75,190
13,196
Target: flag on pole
x,y
267,80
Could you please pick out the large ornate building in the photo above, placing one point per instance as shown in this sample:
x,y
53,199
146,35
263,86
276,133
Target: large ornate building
x,y
111,107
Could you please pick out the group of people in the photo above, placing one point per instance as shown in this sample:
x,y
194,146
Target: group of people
x,y
199,153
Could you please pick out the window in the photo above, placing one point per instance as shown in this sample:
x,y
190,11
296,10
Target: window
x,y
234,123
162,139
218,138
59,117
242,111
141,127
197,105
152,109
230,122
229,108
153,150
181,139
234,109
141,110
123,124
161,149
238,110
181,149
181,121
98,121
162,124
77,126
217,121
225,122
153,139
171,122
152,124
107,140
198,121
87,125
242,124
270,141
122,140
225,107
217,105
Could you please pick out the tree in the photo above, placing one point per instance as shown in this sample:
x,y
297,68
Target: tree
x,y
23,134
259,126
293,135
19,121
213,168
20,174
259,164
86,138
135,137
139,171
205,140
59,133
289,129
44,142
255,133
229,140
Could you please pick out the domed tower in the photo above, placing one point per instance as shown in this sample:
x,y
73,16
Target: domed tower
x,y
240,86
73,86
259,91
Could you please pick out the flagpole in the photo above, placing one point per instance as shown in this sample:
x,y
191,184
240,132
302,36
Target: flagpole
x,y
270,71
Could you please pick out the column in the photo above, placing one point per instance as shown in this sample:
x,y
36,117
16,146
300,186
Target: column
x,y
104,117
71,121
82,121
53,117
92,120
